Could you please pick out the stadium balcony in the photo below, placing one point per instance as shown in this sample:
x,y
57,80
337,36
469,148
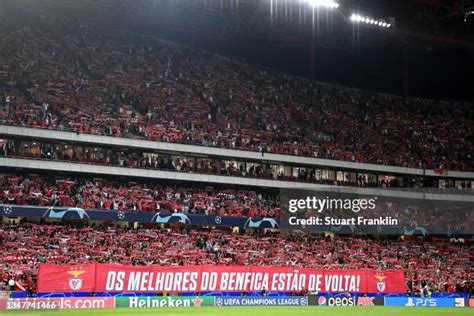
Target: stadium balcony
x,y
228,161
40,165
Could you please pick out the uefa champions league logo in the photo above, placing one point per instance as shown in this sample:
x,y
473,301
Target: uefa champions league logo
x,y
218,220
219,301
265,222
121,215
171,218
70,212
7,209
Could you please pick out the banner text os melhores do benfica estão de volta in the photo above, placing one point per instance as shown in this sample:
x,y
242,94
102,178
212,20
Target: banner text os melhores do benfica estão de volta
x,y
119,278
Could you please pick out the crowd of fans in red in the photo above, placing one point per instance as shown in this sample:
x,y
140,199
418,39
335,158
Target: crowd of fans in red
x,y
97,193
443,266
180,163
69,77
102,194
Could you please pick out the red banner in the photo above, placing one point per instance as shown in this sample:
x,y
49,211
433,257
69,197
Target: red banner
x,y
66,278
118,278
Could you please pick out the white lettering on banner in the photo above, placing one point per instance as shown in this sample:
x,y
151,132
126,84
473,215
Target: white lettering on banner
x,y
144,282
314,283
110,282
192,277
242,281
224,281
159,281
209,281
341,283
133,281
149,281
114,281
230,281
288,281
177,281
169,281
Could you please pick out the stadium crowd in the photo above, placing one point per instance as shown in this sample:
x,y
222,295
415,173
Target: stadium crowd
x,y
102,194
68,77
98,193
442,266
180,163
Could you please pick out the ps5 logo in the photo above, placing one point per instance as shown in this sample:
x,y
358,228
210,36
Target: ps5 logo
x,y
421,302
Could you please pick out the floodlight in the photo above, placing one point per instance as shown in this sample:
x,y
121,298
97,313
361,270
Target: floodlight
x,y
331,4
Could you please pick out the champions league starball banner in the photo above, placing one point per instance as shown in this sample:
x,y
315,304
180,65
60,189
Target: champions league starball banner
x,y
119,278
77,213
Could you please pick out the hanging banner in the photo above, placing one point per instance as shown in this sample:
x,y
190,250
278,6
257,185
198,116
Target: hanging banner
x,y
77,213
174,279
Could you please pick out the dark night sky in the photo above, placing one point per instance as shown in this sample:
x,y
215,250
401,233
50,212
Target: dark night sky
x,y
435,73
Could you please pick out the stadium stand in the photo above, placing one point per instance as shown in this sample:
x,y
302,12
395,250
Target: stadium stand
x,y
71,79
440,265
68,78
103,194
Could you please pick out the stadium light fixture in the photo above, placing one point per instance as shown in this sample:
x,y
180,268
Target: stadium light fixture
x,y
357,18
330,4
468,14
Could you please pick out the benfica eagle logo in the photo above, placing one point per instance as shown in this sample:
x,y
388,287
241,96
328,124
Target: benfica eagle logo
x,y
75,283
380,282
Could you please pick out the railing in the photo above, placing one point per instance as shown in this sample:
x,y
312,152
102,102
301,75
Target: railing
x,y
80,168
200,150
199,171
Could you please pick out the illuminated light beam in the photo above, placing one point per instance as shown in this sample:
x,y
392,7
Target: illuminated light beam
x,y
330,4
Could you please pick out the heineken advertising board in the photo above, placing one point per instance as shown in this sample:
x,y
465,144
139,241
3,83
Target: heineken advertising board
x,y
164,301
